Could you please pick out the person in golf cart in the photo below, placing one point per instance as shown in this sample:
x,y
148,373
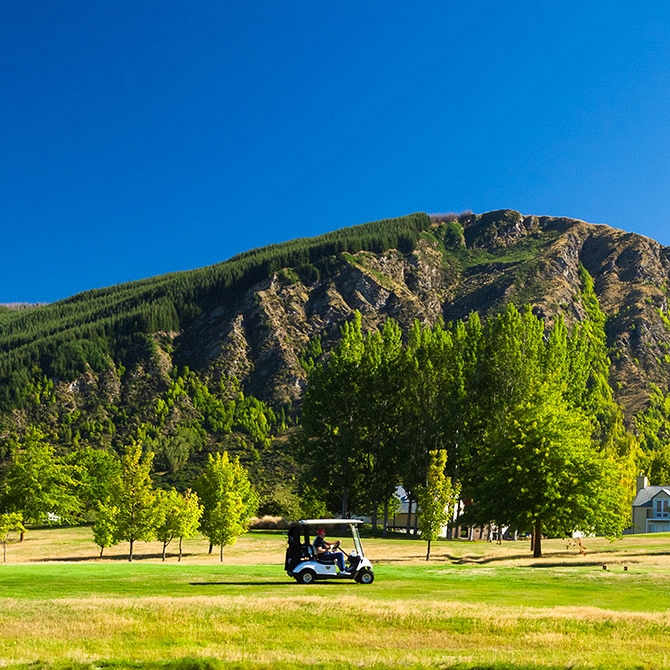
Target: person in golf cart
x,y
323,549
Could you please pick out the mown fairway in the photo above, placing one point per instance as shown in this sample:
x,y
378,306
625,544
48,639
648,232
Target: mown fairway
x,y
475,605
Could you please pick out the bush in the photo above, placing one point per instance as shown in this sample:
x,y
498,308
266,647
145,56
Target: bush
x,y
268,523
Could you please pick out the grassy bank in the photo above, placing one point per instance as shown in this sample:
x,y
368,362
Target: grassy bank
x,y
476,605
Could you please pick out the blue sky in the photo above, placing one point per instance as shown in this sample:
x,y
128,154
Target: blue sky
x,y
140,138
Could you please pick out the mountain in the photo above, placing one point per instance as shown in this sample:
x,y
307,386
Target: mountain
x,y
250,326
458,265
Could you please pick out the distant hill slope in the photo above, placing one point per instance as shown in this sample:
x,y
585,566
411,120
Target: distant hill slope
x,y
251,322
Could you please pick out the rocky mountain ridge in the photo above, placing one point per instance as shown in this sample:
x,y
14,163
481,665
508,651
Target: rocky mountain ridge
x,y
461,264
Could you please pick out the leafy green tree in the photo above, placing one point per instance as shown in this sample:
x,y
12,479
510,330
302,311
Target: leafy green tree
x,y
436,499
439,410
10,522
106,527
228,498
40,484
332,429
179,517
540,472
134,497
380,405
96,470
281,501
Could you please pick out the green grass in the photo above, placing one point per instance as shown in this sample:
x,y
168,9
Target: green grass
x,y
475,606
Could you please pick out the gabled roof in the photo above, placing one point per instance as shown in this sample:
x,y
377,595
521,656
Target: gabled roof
x,y
646,495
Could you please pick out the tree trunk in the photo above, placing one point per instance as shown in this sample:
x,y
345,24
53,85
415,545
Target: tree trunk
x,y
180,541
409,512
101,550
345,502
23,534
221,554
130,551
164,550
4,551
428,551
211,546
537,544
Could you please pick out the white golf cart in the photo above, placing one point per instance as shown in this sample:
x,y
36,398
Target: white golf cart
x,y
303,564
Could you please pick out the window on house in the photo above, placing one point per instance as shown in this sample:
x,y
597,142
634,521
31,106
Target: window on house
x,y
662,508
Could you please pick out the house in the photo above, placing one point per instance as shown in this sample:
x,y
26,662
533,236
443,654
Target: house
x,y
651,508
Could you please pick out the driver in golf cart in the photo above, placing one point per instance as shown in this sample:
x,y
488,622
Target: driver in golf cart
x,y
323,549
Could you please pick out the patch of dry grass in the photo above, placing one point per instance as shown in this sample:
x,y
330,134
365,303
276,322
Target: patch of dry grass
x,y
355,631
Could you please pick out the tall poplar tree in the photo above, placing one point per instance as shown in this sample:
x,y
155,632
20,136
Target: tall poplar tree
x,y
332,428
381,403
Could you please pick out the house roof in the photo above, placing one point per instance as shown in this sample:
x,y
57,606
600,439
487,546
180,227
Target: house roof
x,y
646,495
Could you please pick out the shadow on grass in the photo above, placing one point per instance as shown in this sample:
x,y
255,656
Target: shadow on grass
x,y
245,583
315,584
112,557
560,560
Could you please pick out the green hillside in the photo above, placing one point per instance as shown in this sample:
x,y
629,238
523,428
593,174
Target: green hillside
x,y
110,326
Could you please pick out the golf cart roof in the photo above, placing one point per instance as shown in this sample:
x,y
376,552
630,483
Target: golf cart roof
x,y
329,522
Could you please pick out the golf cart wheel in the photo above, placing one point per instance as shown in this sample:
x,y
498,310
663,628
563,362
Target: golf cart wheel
x,y
366,577
306,577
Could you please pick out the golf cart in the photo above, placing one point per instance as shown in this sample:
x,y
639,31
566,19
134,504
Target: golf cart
x,y
305,566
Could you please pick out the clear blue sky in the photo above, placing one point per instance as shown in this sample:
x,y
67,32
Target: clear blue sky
x,y
140,138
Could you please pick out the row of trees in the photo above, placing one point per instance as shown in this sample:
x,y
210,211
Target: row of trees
x,y
42,487
521,408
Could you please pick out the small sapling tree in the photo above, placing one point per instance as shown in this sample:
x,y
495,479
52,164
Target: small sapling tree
x,y
105,528
180,516
228,498
436,498
10,522
134,497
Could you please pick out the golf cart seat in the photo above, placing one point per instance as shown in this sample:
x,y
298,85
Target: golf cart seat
x,y
326,560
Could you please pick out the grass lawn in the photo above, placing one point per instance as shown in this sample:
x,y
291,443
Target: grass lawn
x,y
475,605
